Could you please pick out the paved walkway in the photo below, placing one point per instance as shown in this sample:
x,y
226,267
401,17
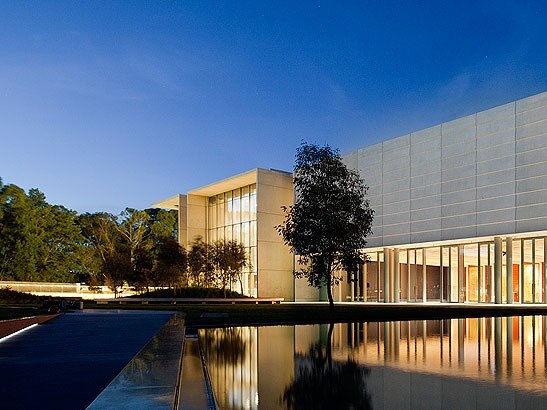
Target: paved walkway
x,y
67,362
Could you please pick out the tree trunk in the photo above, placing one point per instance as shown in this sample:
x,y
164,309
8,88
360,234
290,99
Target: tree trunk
x,y
329,287
329,294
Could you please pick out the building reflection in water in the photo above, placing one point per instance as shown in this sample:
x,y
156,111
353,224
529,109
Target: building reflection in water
x,y
463,363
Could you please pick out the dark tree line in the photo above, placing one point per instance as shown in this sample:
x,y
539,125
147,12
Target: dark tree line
x,y
137,248
44,242
38,241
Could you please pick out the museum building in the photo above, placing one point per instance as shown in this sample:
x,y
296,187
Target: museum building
x,y
460,214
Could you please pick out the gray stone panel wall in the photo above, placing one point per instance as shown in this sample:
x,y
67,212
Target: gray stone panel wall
x,y
531,160
481,175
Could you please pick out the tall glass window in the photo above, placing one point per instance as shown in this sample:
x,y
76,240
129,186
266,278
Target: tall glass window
x,y
236,216
471,272
486,261
433,273
232,216
374,273
445,287
403,274
411,276
419,272
454,274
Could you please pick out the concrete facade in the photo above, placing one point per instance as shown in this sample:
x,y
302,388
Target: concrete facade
x,y
275,263
481,175
271,261
460,210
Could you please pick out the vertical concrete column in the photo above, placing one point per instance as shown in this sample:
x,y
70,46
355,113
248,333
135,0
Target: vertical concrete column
x,y
396,276
441,277
378,274
509,268
533,271
408,276
479,275
424,276
387,285
391,275
521,272
497,269
449,276
491,273
364,285
461,273
545,271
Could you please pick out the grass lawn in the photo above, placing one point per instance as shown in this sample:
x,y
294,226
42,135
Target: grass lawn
x,y
198,315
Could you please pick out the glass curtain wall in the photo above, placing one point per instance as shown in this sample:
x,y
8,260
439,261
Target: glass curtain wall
x,y
373,277
528,270
463,272
420,271
232,216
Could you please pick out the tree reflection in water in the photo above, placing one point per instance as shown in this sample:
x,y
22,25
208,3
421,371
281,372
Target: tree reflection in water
x,y
227,345
320,383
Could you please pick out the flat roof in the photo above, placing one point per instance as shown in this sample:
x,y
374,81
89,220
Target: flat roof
x,y
226,184
246,178
170,203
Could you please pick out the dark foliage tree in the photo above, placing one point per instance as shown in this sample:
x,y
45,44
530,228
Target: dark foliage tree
x,y
228,259
169,263
162,222
56,240
237,260
138,247
16,257
43,242
328,224
38,241
199,266
103,236
133,226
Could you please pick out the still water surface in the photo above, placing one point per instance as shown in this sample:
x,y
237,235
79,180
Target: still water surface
x,y
478,363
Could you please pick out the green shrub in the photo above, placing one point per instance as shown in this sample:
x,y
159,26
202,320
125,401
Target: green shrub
x,y
8,295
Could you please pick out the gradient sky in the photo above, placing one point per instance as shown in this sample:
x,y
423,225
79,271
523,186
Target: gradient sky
x,y
111,104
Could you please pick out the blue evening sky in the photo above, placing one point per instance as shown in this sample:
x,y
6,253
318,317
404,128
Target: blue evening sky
x,y
108,104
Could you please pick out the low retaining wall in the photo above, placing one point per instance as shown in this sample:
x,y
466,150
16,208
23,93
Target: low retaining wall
x,y
8,327
151,380
203,301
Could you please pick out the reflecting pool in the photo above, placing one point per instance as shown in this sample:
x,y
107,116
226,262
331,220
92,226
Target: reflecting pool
x,y
476,363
